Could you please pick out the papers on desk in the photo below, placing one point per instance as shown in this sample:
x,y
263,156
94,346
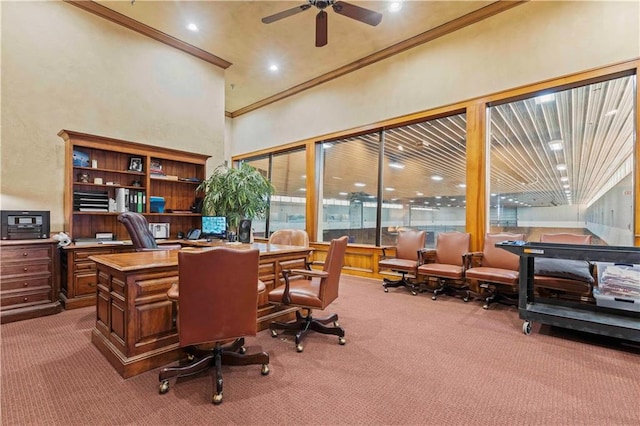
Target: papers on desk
x,y
112,242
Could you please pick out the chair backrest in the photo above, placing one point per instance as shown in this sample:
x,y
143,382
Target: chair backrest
x,y
495,257
408,244
218,295
565,238
290,237
333,264
450,246
138,229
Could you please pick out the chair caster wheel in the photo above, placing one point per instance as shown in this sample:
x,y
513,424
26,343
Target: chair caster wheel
x,y
274,333
265,369
485,307
414,293
242,350
386,290
299,347
341,340
217,398
434,297
465,299
336,324
526,328
164,387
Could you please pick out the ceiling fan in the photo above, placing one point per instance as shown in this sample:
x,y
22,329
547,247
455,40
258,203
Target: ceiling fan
x,y
343,8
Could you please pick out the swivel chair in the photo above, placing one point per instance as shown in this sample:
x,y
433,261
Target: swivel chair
x,y
217,300
316,291
291,237
445,264
408,246
138,228
494,272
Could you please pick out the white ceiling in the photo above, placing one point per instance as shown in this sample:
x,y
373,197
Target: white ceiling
x,y
233,31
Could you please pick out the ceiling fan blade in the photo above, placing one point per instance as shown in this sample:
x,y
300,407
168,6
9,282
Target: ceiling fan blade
x,y
358,13
285,13
321,28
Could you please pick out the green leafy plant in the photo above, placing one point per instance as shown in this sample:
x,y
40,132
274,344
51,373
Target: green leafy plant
x,y
236,193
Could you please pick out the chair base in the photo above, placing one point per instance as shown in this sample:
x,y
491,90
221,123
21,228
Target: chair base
x,y
493,295
232,354
402,282
304,324
446,288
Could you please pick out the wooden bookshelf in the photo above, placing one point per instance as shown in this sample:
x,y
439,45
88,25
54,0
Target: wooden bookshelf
x,y
110,161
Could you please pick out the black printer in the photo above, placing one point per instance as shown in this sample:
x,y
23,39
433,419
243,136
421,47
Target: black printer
x,y
24,225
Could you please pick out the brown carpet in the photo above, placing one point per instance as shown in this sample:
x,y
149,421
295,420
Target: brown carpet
x,y
408,360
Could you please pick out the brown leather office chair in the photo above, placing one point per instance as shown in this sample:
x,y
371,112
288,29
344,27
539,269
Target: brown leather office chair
x,y
316,291
445,264
408,245
138,228
572,279
291,237
217,300
494,272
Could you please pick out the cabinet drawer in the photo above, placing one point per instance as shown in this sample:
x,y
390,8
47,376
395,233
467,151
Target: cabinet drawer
x,y
24,268
25,298
85,283
83,267
80,255
26,283
18,253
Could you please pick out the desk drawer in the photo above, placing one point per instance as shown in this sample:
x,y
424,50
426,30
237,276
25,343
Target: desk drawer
x,y
85,283
83,255
83,267
26,253
24,268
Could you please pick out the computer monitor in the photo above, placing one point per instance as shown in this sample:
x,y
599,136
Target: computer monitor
x,y
214,226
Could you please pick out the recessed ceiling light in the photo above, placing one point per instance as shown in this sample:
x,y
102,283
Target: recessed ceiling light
x,y
438,197
453,199
436,177
564,178
360,184
400,148
565,186
396,165
561,167
394,6
419,194
327,145
303,176
302,189
612,112
555,145
343,193
550,97
493,194
389,189
192,27
463,185
273,67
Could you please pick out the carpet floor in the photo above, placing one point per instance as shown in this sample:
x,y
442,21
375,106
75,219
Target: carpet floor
x,y
407,360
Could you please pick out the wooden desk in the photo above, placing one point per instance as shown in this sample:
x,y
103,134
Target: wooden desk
x,y
135,321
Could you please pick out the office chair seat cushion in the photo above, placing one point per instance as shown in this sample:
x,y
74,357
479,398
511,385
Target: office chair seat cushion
x,y
406,265
302,293
581,288
441,270
494,275
563,268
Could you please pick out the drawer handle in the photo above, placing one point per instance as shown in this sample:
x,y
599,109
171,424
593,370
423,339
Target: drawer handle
x,y
26,299
26,284
26,253
92,284
26,268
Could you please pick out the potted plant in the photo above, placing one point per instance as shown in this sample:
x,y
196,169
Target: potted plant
x,y
236,193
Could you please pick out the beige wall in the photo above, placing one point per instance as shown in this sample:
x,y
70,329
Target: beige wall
x,y
527,44
64,68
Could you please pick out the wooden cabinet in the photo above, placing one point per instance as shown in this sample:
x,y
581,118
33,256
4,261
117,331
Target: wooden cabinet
x,y
28,279
103,169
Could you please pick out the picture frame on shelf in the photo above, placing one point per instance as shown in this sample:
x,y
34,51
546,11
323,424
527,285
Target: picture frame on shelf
x,y
135,164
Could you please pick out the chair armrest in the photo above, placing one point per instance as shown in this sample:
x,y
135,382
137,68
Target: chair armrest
x,y
286,298
384,251
174,292
426,256
471,260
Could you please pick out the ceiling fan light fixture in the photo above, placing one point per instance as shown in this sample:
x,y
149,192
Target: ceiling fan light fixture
x,y
192,27
394,6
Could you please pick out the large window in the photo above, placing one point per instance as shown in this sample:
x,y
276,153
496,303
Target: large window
x,y
421,182
563,162
286,172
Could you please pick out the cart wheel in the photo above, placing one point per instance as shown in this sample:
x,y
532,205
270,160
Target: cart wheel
x,y
526,327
